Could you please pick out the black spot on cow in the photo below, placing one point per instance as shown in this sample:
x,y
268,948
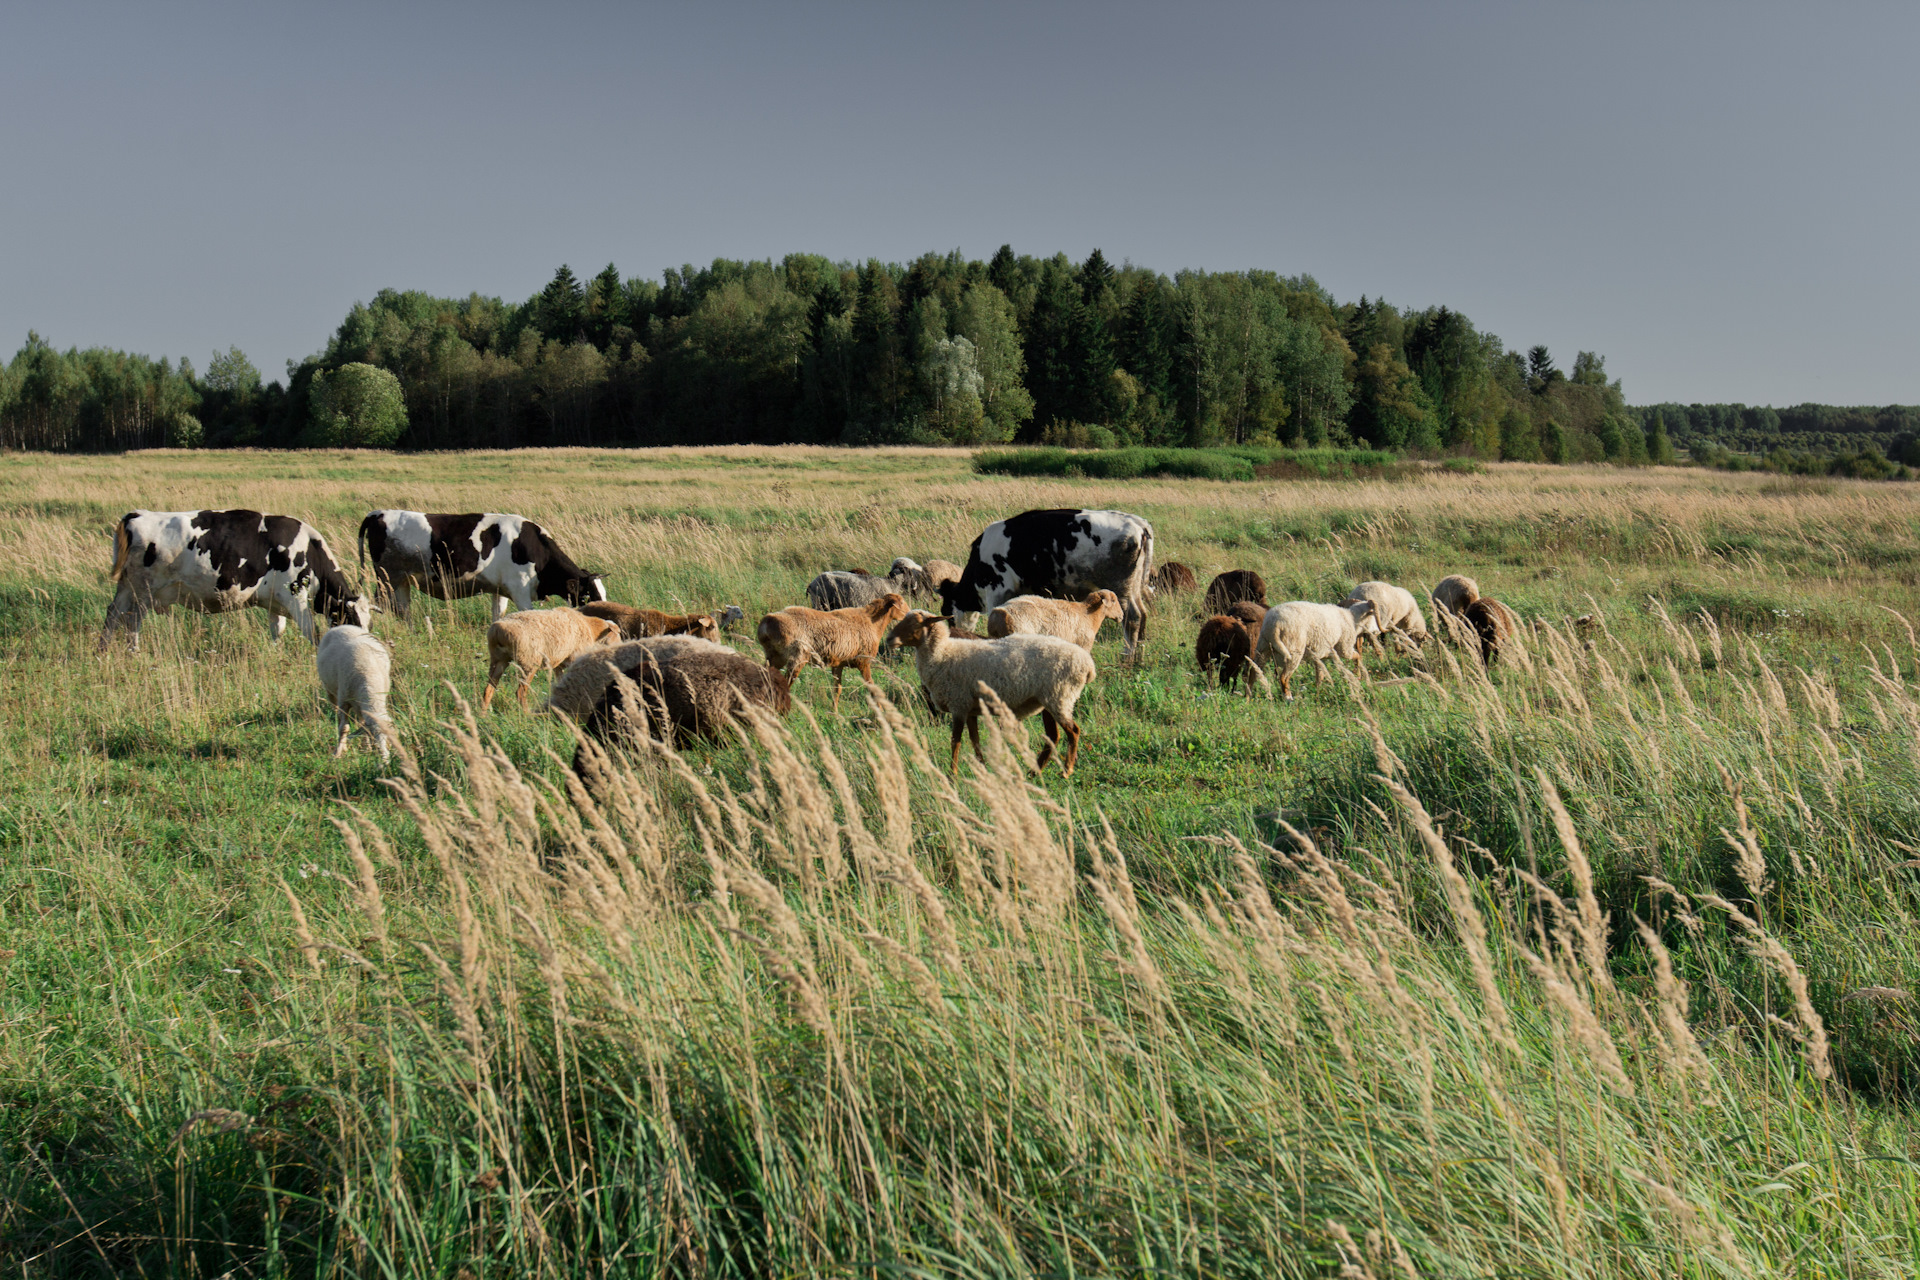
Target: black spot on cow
x,y
452,551
153,553
373,537
555,572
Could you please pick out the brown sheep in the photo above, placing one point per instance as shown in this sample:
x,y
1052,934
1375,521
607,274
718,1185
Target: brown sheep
x,y
637,623
1234,586
1172,576
1453,593
1228,641
539,639
1075,621
691,687
1248,612
1494,624
836,639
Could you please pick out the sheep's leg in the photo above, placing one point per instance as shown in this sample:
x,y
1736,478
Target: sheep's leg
x,y
378,732
495,670
959,723
838,672
526,687
1073,748
973,732
340,723
1052,728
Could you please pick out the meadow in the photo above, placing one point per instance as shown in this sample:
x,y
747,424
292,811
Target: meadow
x,y
1602,963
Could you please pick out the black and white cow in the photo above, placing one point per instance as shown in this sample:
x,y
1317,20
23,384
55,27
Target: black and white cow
x,y
1064,553
218,561
452,557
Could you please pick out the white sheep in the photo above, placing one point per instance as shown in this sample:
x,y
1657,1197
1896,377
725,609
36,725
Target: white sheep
x,y
356,671
923,580
1395,612
1077,621
1028,673
1300,629
538,639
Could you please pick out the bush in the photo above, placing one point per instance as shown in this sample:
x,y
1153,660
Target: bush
x,y
357,406
1238,462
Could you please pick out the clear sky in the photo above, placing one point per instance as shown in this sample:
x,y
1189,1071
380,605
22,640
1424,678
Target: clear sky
x,y
1720,199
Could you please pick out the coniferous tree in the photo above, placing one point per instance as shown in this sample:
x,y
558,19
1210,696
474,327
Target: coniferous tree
x,y
561,311
1659,447
606,307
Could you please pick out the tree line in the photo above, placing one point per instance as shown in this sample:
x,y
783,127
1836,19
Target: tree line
x,y
942,350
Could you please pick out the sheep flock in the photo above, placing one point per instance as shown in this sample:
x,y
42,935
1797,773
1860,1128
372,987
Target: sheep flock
x,y
623,671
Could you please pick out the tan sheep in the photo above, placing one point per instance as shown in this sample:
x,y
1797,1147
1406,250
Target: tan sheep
x,y
1076,621
836,639
538,640
1395,613
1300,630
1453,593
637,624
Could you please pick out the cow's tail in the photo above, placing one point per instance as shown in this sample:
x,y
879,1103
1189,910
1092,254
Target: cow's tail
x,y
1143,567
362,540
122,546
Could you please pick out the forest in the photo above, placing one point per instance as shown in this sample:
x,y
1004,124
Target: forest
x,y
942,350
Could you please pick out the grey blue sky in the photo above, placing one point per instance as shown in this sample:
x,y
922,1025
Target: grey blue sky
x,y
1718,198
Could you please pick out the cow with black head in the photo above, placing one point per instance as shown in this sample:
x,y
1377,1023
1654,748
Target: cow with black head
x,y
1064,553
219,561
452,557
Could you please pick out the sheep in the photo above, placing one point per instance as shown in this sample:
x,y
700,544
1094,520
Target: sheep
x,y
1395,612
693,687
1232,587
1079,622
1228,641
1171,576
537,639
1453,593
921,580
356,671
1300,629
637,624
1248,612
1493,625
729,615
837,639
844,589
1027,673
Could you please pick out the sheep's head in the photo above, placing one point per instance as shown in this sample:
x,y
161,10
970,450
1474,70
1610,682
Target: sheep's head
x,y
1104,604
603,632
703,626
917,627
731,614
1362,611
890,607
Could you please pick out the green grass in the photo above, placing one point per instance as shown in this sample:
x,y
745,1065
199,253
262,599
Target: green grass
x,y
615,1076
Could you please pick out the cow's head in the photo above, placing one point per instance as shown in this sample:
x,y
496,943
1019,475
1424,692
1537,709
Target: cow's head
x,y
960,596
345,608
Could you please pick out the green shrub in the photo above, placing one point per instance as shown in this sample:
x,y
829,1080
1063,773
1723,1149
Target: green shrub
x,y
1236,462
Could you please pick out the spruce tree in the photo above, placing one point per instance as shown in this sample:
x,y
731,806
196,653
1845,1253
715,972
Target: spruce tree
x,y
1659,447
562,308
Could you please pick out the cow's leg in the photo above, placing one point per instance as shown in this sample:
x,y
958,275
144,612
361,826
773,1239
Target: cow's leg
x,y
400,598
125,611
499,607
1133,620
276,624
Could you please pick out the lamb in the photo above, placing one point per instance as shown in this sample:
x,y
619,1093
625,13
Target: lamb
x,y
1453,593
538,639
1300,629
1038,616
1027,673
1395,612
637,624
844,589
1228,641
356,671
838,638
692,687
1232,587
1171,576
1493,625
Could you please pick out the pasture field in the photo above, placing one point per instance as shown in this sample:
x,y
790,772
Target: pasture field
x,y
1357,984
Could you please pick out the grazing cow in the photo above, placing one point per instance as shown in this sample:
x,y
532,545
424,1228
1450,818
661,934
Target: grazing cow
x,y
219,561
1064,553
452,557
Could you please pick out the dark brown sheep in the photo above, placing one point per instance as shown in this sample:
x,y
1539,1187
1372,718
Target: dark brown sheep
x,y
1172,576
1233,587
1494,624
691,687
1248,612
1228,641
